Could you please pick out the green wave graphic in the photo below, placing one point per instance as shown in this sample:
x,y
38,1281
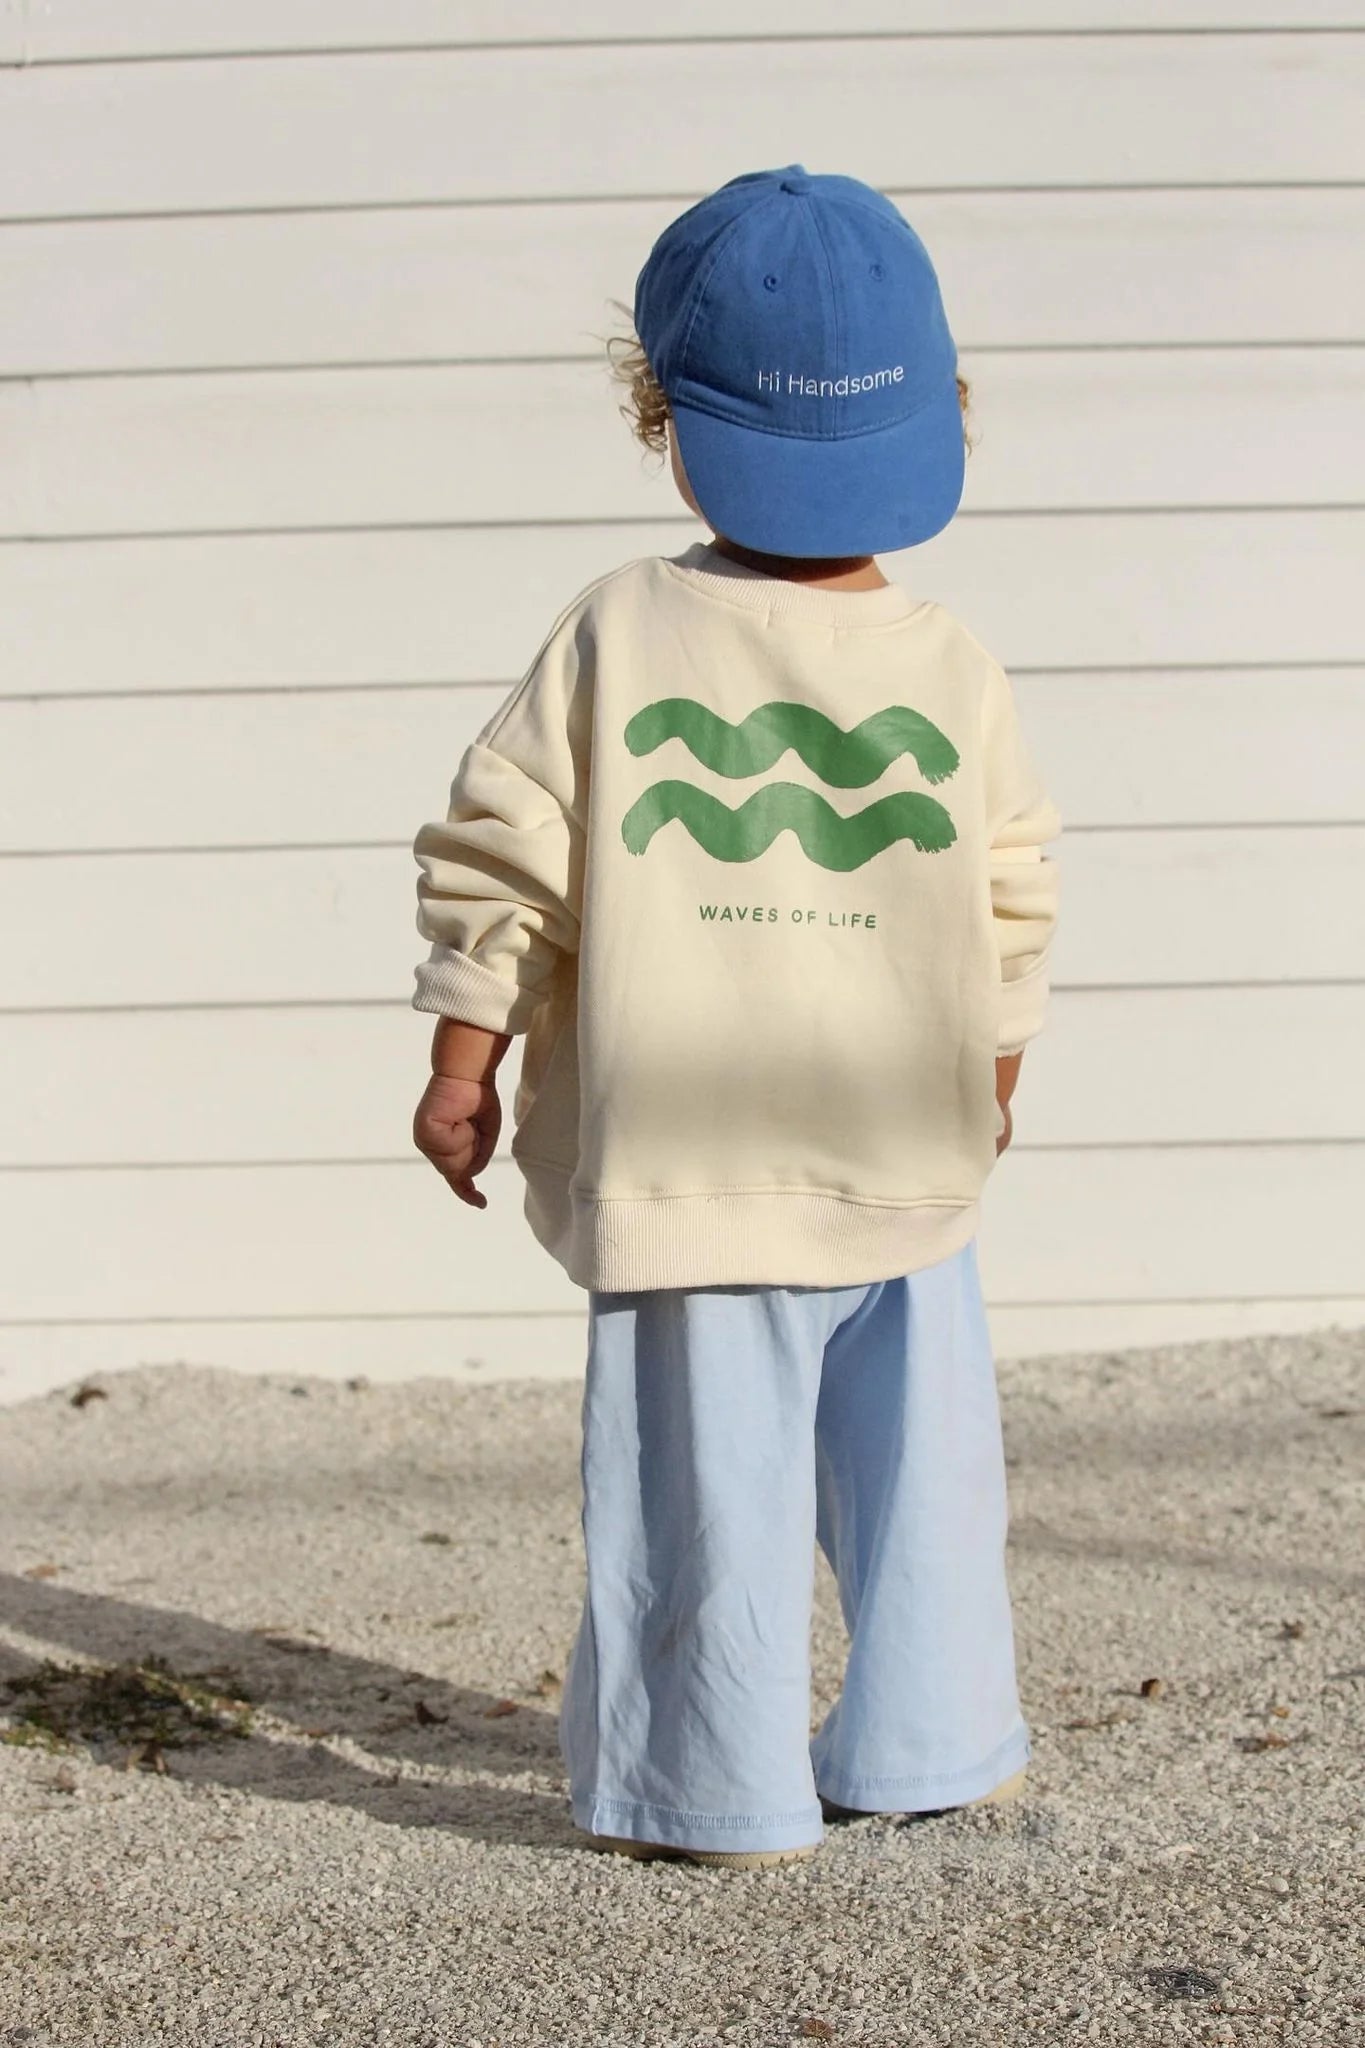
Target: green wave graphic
x,y
826,838
845,760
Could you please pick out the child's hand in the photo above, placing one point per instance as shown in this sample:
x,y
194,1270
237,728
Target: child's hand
x,y
456,1127
1007,1067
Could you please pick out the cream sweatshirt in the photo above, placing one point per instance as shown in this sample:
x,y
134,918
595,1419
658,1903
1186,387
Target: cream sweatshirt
x,y
756,867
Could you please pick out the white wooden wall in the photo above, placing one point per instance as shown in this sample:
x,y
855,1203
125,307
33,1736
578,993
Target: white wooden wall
x,y
306,432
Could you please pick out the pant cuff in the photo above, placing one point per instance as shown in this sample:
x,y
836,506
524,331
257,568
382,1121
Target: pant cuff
x,y
639,1821
924,1793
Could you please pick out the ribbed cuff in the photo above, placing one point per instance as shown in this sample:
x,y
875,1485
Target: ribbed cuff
x,y
450,984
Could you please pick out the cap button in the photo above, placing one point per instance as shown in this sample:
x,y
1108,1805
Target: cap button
x,y
797,182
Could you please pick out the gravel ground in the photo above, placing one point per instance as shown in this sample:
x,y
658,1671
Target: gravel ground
x,y
390,1576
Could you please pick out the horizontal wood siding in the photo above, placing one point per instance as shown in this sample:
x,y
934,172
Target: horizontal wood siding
x,y
303,445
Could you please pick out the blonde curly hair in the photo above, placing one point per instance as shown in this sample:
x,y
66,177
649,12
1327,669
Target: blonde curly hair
x,y
646,407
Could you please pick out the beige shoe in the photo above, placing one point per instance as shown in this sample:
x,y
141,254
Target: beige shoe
x,y
1010,1789
737,1859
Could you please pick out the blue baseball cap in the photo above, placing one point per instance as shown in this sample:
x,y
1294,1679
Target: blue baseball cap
x,y
794,324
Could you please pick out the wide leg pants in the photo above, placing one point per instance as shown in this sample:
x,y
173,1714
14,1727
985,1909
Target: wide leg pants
x,y
726,1431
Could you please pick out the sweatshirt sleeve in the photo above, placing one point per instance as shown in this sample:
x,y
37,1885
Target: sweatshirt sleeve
x,y
500,890
1021,819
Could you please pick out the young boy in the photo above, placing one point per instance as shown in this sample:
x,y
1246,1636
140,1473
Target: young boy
x,y
752,856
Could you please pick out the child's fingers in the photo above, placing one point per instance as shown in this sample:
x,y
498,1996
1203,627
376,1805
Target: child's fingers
x,y
461,1182
456,1127
447,1107
486,1135
458,1154
449,1147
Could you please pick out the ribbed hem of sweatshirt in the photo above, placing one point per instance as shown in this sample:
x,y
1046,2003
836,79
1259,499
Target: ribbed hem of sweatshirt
x,y
777,1237
707,569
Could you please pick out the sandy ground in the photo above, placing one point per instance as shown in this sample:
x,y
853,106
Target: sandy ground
x,y
391,1576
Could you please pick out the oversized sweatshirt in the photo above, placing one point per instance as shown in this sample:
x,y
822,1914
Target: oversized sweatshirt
x,y
757,869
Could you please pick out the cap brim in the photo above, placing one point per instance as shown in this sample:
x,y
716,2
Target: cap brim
x,y
868,494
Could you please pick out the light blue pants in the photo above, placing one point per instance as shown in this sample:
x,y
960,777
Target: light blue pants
x,y
726,1431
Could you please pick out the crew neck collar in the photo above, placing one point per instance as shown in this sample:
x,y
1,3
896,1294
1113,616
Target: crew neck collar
x,y
704,565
